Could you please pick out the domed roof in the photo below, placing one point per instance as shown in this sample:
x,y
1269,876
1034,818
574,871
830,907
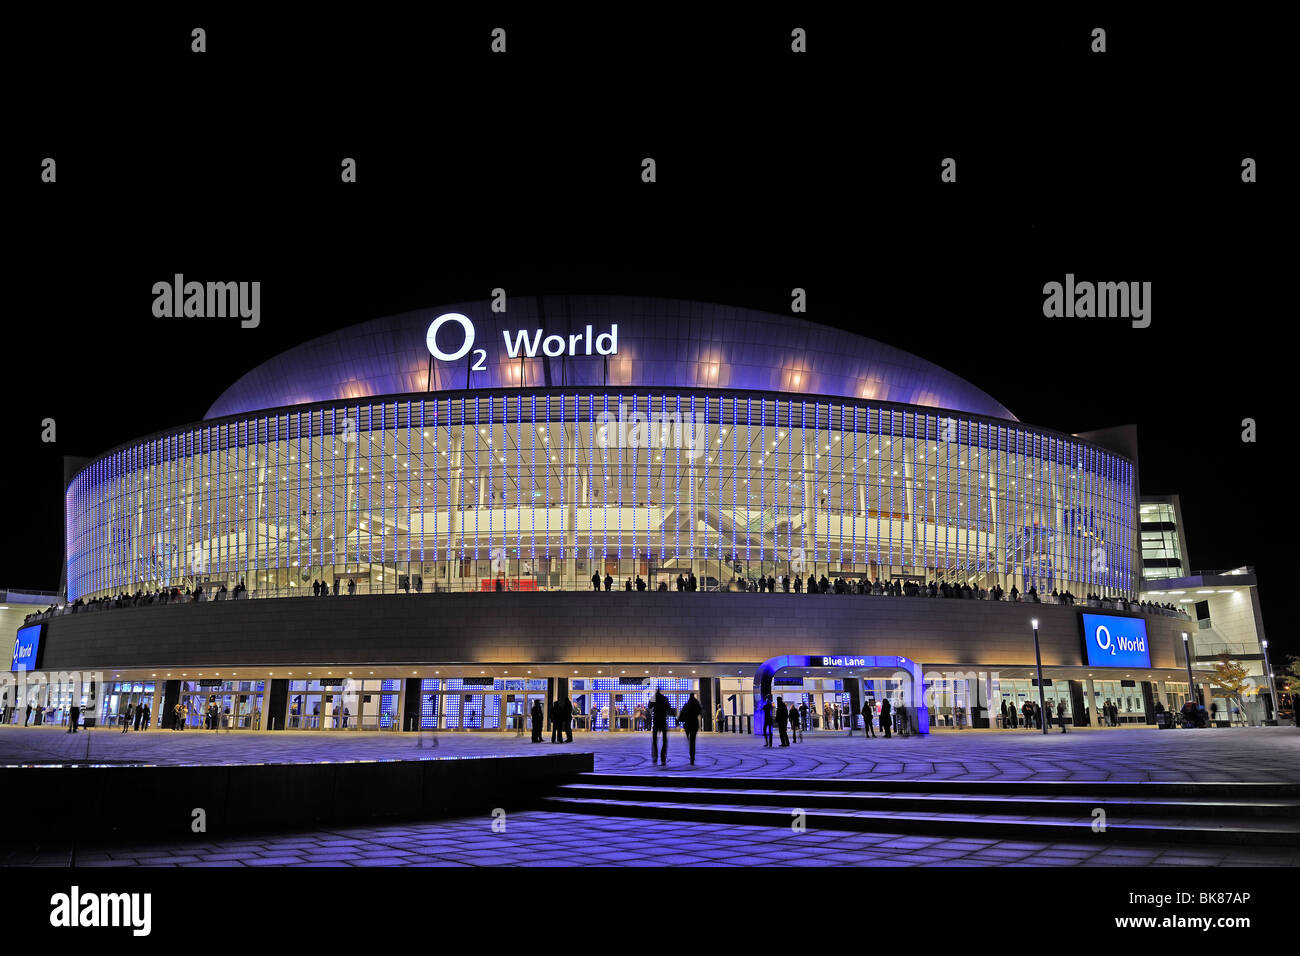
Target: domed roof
x,y
660,344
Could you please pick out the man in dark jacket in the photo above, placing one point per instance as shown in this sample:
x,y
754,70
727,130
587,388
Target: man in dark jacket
x,y
660,710
886,718
557,721
782,719
537,721
767,721
794,722
690,721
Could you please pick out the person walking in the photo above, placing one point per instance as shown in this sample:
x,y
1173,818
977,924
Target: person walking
x,y
782,720
690,722
537,721
794,723
128,717
886,720
867,715
73,718
767,721
660,710
803,716
1060,713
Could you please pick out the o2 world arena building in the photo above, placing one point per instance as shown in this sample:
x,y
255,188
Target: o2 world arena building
x,y
408,520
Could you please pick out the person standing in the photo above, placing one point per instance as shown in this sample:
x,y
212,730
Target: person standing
x,y
690,721
127,717
660,710
537,721
794,723
595,581
782,720
719,720
557,721
886,721
73,718
867,715
767,721
803,716
1060,713
568,720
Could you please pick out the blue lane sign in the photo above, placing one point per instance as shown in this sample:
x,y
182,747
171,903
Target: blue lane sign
x,y
1111,641
27,648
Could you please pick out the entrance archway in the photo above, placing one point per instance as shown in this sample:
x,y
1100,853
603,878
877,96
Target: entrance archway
x,y
914,698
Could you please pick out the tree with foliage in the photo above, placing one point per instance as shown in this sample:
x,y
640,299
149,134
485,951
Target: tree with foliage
x,y
1233,678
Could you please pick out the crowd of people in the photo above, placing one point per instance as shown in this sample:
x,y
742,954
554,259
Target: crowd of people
x,y
1031,716
686,581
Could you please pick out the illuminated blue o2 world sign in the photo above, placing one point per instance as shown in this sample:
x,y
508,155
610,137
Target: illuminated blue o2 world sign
x,y
1111,641
27,648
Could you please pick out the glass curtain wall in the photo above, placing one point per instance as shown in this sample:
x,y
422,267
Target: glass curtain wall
x,y
544,491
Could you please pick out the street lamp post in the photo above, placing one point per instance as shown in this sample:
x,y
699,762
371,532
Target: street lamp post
x,y
1272,690
1038,662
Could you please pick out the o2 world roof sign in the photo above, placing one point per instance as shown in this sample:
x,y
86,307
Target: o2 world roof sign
x,y
520,342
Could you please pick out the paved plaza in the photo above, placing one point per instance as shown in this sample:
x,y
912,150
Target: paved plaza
x,y
1269,754
536,838
540,838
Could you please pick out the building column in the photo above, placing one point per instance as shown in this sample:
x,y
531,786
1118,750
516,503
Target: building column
x,y
409,706
1093,719
706,702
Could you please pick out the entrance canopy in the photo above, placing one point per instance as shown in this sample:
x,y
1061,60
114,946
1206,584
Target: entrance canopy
x,y
899,668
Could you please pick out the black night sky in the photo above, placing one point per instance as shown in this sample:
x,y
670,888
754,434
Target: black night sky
x,y
774,171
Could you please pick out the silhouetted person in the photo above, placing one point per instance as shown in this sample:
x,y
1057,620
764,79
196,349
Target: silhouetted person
x,y
767,721
557,721
690,721
538,719
568,720
609,581
867,729
659,712
886,720
794,723
595,581
782,720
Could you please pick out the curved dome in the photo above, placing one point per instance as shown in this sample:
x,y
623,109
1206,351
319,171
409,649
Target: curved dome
x,y
662,343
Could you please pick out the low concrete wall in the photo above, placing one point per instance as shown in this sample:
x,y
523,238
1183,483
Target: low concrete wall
x,y
92,803
575,627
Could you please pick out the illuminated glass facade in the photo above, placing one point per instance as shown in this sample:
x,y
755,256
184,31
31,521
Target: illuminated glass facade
x,y
1163,552
536,489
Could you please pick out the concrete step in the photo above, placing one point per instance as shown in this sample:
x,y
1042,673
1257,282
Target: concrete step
x,y
1150,789
1051,828
1015,804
